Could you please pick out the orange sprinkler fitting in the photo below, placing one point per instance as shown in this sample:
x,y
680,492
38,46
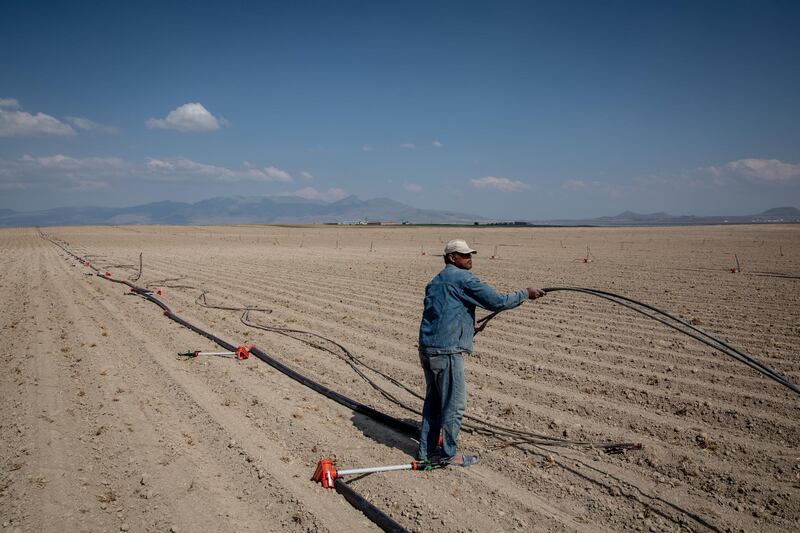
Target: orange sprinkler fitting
x,y
325,473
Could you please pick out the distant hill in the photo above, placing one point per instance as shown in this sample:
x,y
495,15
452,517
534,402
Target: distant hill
x,y
629,218
782,212
239,210
296,210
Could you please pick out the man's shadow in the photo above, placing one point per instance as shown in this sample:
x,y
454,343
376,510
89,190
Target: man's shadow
x,y
382,434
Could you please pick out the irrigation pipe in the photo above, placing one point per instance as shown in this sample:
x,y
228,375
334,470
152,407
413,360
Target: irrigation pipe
x,y
354,498
471,423
410,429
695,332
402,426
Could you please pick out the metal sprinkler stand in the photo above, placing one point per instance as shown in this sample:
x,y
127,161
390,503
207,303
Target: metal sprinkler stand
x,y
326,472
241,353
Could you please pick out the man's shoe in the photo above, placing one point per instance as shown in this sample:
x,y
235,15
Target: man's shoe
x,y
464,460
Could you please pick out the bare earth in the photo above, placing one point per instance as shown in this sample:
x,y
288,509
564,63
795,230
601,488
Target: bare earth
x,y
105,428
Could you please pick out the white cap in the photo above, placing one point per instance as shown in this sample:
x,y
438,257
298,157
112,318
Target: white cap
x,y
459,246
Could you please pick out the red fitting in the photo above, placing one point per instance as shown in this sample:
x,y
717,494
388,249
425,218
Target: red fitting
x,y
243,352
166,313
325,473
158,291
733,270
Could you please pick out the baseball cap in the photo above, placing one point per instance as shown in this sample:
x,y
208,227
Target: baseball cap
x,y
458,246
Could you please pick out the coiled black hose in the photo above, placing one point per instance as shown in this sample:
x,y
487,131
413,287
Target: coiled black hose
x,y
472,423
678,325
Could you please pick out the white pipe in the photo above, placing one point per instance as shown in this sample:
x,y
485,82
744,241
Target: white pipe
x,y
372,469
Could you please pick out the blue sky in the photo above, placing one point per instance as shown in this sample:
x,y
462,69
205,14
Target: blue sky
x,y
503,109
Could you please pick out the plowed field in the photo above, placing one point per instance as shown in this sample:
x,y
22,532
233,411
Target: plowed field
x,y
105,428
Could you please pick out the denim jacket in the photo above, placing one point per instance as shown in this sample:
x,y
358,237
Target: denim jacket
x,y
448,321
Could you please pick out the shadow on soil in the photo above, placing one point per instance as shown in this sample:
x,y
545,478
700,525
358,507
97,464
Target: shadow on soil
x,y
380,433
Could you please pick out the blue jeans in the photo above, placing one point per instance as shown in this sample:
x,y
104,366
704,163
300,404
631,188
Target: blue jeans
x,y
445,402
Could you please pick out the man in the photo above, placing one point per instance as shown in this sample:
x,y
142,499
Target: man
x,y
445,337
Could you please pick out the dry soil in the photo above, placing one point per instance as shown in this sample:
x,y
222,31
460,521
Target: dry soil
x,y
105,428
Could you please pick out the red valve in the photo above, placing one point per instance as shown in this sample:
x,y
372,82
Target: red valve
x,y
243,352
325,473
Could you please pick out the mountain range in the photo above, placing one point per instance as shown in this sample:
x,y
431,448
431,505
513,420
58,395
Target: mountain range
x,y
776,215
296,210
239,210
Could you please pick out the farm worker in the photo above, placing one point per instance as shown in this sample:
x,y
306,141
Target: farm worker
x,y
445,338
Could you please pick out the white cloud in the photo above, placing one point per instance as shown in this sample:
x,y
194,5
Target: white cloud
x,y
306,175
61,171
276,174
185,169
437,144
159,165
23,124
188,117
66,163
9,103
310,193
408,146
366,148
501,184
769,170
412,187
89,125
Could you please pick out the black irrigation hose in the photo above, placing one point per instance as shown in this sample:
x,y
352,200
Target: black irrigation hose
x,y
355,499
402,426
139,273
380,518
350,494
477,425
701,336
165,283
695,332
202,302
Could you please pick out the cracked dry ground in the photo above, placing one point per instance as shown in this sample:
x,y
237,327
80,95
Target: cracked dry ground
x,y
105,428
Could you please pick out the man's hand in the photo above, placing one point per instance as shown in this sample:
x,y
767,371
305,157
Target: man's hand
x,y
535,293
